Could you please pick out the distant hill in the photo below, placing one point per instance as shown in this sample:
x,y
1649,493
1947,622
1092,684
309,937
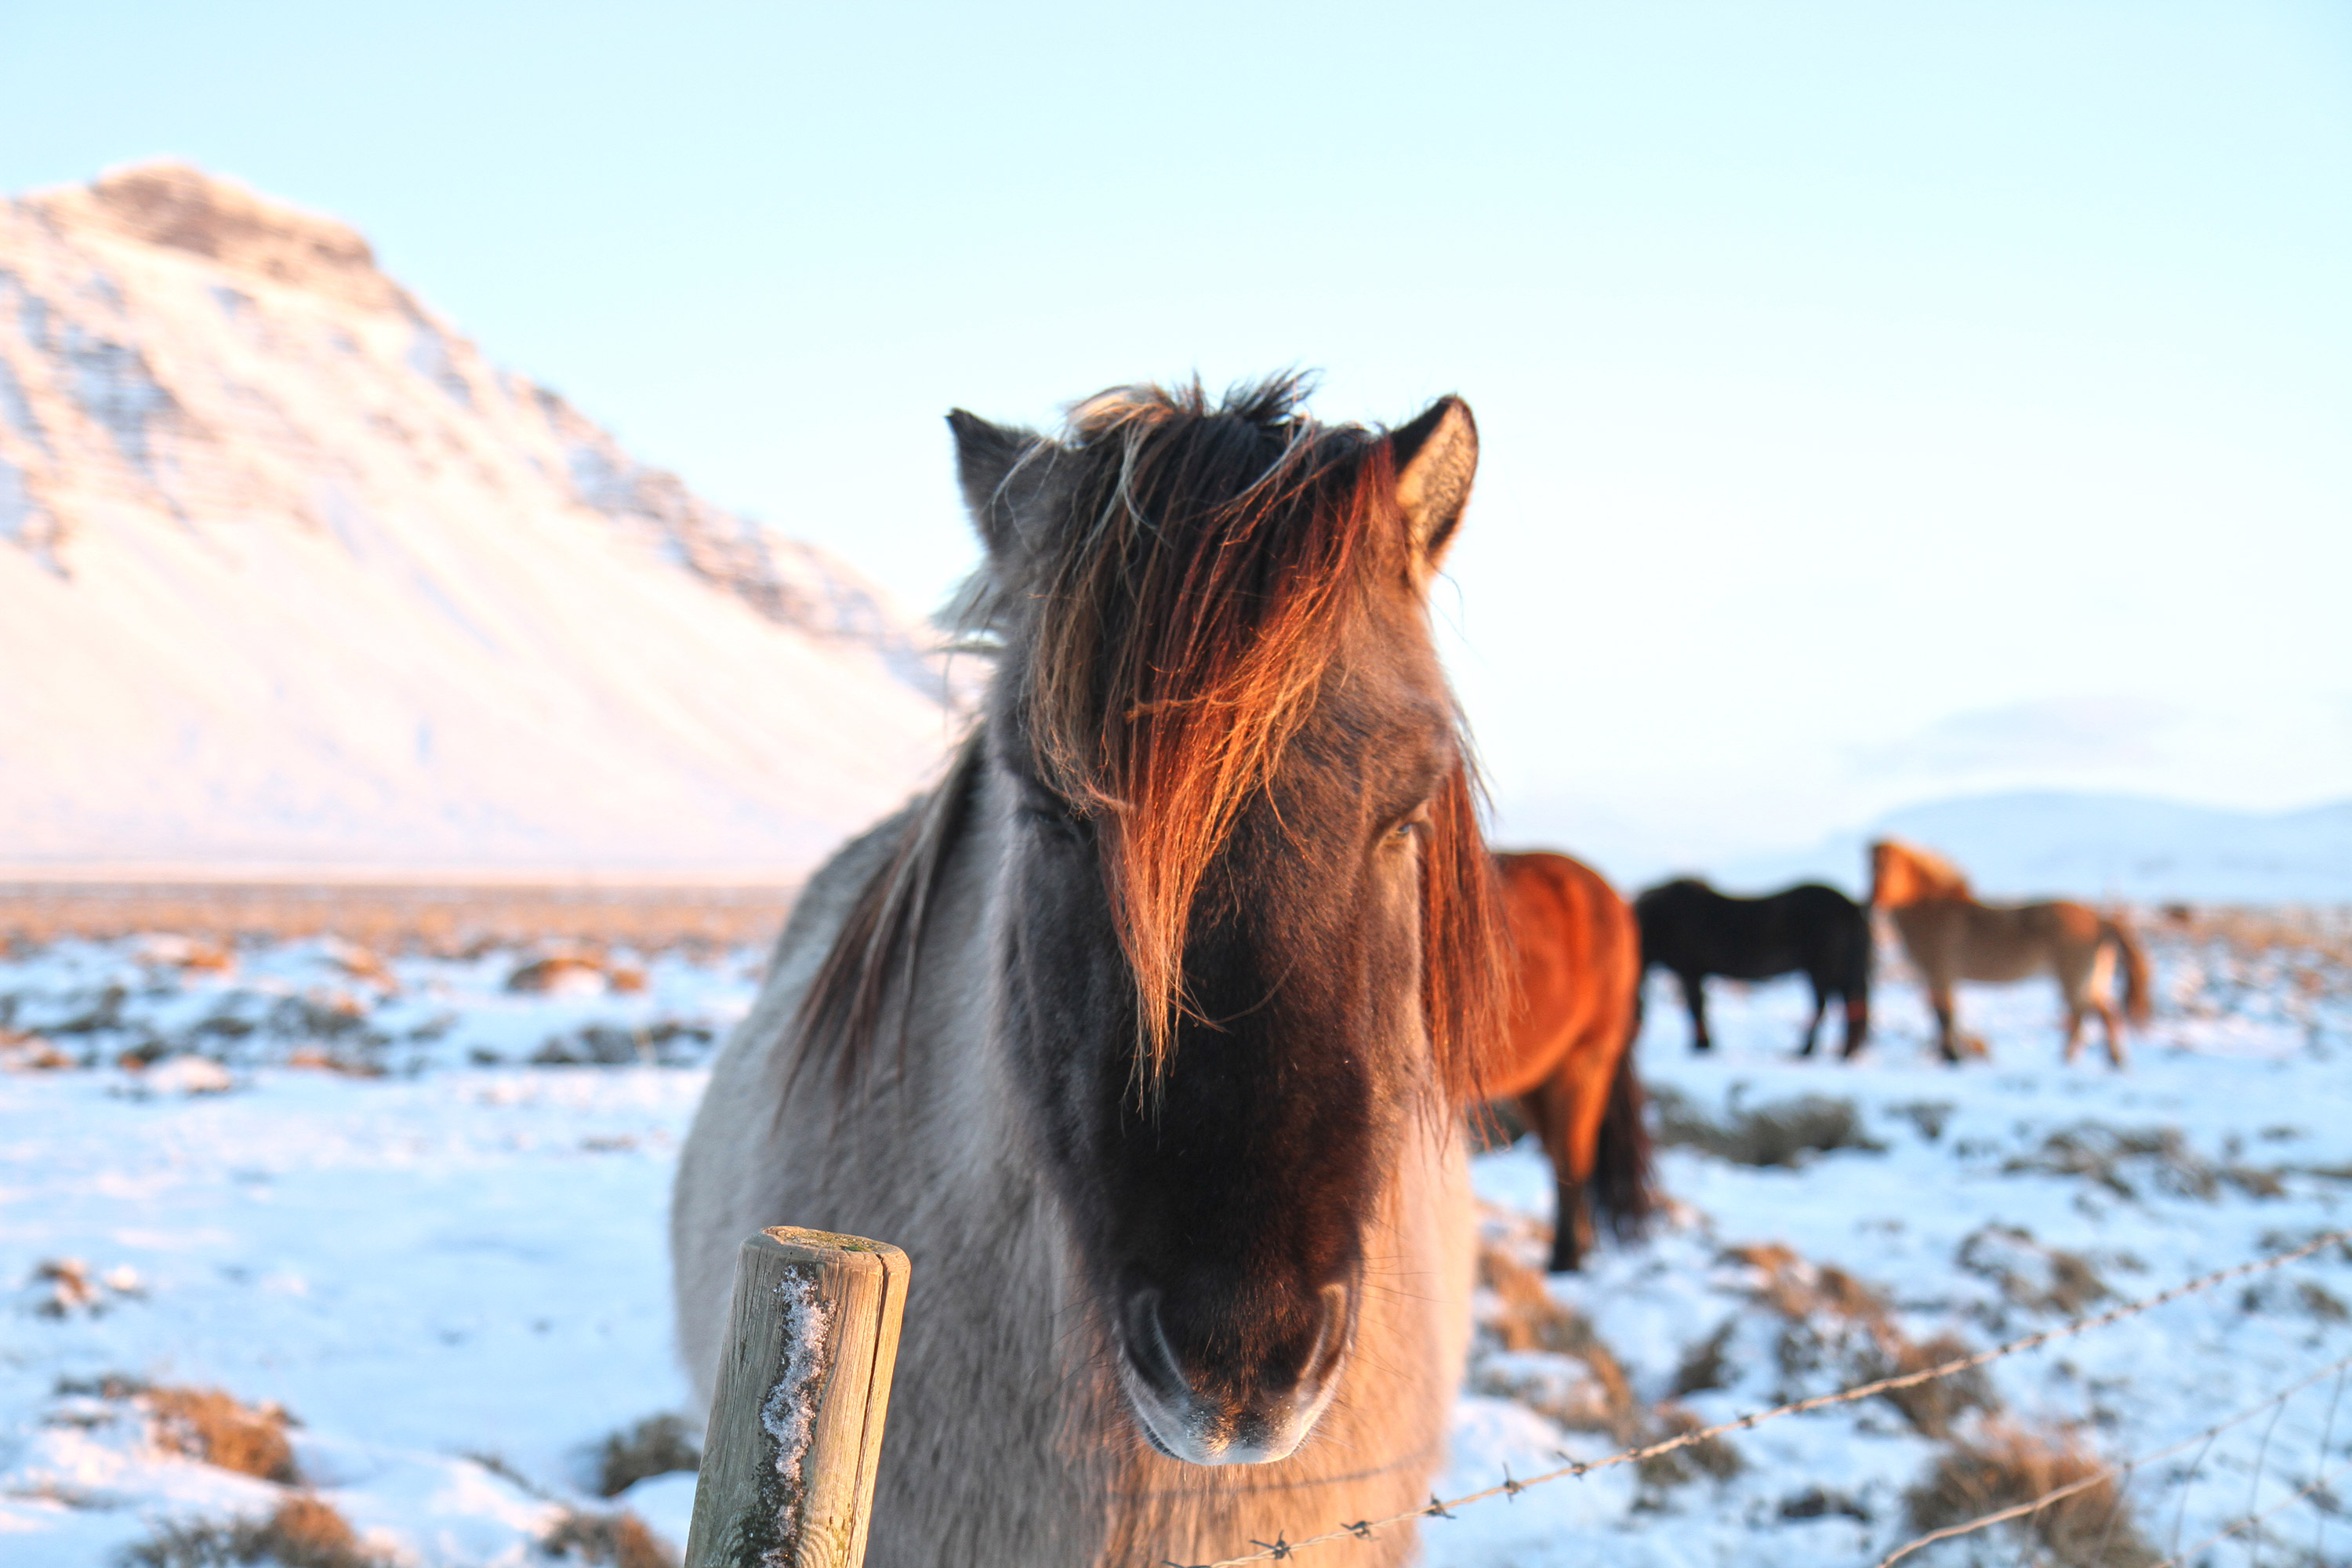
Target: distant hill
x,y
2099,846
291,576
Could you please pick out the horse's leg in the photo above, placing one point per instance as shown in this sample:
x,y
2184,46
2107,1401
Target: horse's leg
x,y
1857,1024
1947,1036
1695,997
1821,1006
1550,1110
2073,1029
2115,1053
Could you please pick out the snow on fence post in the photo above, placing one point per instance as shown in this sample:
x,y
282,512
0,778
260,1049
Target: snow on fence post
x,y
796,1420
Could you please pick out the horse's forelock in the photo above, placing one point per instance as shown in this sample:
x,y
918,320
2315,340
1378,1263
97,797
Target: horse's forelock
x,y
1196,596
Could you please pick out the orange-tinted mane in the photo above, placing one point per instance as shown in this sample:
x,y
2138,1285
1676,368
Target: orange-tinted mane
x,y
1905,874
1179,616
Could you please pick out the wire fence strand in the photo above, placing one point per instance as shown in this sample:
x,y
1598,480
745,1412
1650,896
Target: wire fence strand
x,y
1364,1530
2253,1519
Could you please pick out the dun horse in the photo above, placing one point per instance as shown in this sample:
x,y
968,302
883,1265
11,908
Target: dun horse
x,y
1146,1033
1568,1064
1690,931
1951,937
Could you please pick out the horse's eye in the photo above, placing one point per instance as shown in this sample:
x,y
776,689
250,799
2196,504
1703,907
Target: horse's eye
x,y
1412,825
1051,812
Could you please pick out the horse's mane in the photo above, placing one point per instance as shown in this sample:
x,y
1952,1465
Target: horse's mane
x,y
1940,877
1170,629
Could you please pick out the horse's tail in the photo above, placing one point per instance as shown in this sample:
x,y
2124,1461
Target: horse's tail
x,y
1622,1190
2137,996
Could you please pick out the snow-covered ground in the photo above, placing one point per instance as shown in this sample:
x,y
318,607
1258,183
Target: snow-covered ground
x,y
343,1186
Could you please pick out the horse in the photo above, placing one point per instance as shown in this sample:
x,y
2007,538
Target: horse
x,y
1690,931
1568,1061
1951,937
1148,1031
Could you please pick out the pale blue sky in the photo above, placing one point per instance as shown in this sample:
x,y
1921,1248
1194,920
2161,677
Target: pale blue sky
x,y
1880,402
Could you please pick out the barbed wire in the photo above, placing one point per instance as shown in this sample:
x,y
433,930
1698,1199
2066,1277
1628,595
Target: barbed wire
x,y
1281,1549
2085,1483
2253,1519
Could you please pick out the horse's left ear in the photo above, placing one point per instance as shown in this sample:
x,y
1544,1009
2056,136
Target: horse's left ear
x,y
991,463
1436,457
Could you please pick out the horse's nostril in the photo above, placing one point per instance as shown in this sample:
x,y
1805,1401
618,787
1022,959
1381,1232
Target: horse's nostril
x,y
1148,1346
1330,1339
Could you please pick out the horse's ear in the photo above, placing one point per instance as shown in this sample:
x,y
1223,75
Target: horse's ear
x,y
1436,457
992,464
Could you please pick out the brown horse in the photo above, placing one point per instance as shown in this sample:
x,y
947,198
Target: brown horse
x,y
1952,937
1568,1065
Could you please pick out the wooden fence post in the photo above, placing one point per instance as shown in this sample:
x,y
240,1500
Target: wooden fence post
x,y
796,1420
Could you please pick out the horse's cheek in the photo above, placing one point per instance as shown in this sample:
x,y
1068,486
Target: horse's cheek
x,y
1064,1001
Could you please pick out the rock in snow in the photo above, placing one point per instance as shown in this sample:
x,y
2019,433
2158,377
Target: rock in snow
x,y
289,574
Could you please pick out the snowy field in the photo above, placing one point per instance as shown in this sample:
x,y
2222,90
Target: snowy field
x,y
416,1206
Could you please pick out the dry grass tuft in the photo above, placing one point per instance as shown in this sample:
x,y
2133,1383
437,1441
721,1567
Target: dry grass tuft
x,y
208,1424
655,1447
1837,1324
305,1532
2037,1277
30,1052
1932,1407
106,1385
2004,1466
64,1286
2123,1159
1709,1456
1705,1365
615,1540
1530,1318
1785,1133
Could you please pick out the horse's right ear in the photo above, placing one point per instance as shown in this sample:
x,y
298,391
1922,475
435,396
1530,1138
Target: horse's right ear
x,y
1437,459
996,467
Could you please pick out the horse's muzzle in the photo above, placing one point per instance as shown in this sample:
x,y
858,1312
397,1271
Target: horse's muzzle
x,y
1228,1415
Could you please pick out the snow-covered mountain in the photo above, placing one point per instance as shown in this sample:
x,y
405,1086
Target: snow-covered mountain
x,y
2084,846
289,574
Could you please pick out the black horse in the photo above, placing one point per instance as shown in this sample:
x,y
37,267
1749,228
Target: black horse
x,y
1689,927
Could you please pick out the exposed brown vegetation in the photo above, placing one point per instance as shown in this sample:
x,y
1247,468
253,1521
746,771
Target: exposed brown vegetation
x,y
208,1424
1528,1317
2005,1466
439,920
1704,1366
63,1286
1523,1315
2038,1279
1709,1456
305,1532
30,1052
655,1447
1785,1132
618,1539
1835,1322
2288,932
2123,1159
556,971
